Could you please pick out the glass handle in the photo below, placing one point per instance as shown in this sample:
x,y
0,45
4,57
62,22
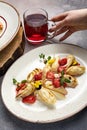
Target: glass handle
x,y
50,25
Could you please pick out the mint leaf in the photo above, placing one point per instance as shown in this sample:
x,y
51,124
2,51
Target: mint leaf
x,y
67,80
62,73
48,58
62,80
42,56
15,81
24,81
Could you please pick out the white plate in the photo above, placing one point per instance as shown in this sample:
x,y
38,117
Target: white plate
x,y
10,19
75,101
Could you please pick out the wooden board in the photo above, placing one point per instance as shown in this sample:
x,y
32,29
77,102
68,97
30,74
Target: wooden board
x,y
13,51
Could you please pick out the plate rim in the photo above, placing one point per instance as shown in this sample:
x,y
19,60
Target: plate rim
x,y
19,23
38,121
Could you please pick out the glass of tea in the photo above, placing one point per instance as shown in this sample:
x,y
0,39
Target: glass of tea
x,y
36,25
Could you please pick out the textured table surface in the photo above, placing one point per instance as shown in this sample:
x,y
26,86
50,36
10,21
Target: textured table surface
x,y
53,7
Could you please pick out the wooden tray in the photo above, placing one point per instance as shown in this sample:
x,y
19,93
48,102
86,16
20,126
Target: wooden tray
x,y
13,51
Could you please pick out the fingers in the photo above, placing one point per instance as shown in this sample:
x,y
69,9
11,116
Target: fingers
x,y
58,25
61,21
62,26
59,17
67,34
62,30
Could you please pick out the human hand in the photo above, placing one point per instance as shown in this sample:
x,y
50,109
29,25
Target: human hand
x,y
70,22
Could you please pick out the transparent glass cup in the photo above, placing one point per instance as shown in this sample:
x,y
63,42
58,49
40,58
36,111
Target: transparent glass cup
x,y
36,25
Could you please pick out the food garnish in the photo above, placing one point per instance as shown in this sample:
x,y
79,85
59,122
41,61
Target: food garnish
x,y
43,58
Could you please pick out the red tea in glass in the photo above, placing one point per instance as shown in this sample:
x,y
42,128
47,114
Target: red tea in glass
x,y
36,27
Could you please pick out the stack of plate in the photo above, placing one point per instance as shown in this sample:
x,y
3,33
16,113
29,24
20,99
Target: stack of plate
x,y
11,42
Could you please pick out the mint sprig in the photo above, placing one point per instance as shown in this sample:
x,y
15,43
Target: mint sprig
x,y
44,58
63,79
